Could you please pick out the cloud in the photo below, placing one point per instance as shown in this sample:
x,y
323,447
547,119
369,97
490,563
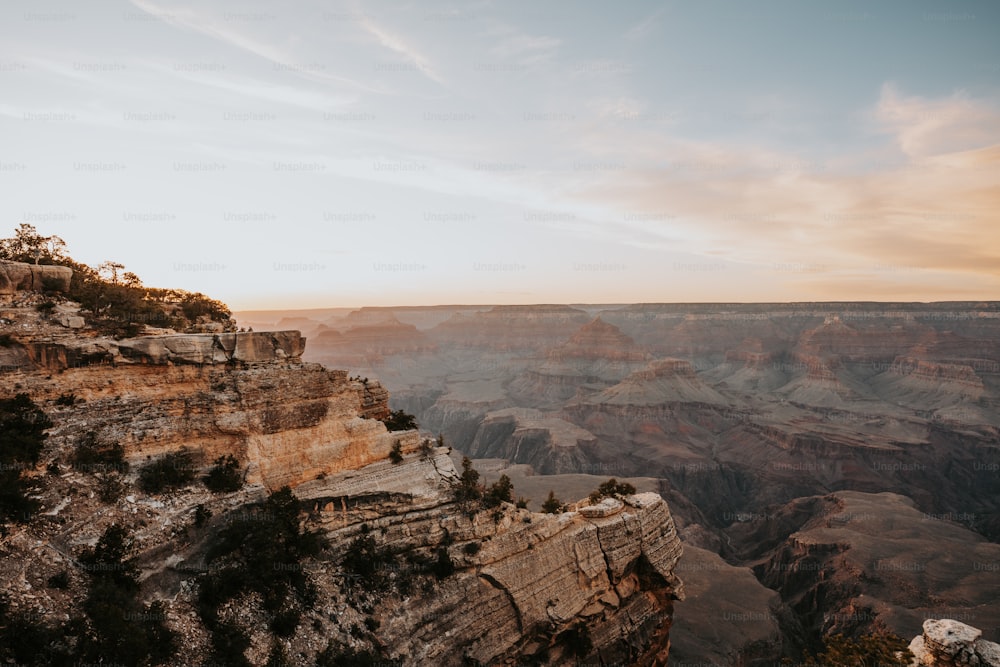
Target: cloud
x,y
524,48
189,19
926,127
934,216
397,45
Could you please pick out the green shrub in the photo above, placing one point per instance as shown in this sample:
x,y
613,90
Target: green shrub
x,y
59,580
225,476
66,399
92,455
400,421
467,488
260,551
396,453
110,488
171,471
22,435
500,492
610,489
552,505
884,650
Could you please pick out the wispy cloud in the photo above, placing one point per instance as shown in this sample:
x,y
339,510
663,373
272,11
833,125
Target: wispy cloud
x,y
396,44
208,25
926,127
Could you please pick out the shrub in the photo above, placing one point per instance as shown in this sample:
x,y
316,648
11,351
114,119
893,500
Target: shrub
x,y
426,449
120,629
883,650
552,505
225,475
471,548
110,488
259,551
400,421
467,488
66,399
201,515
171,471
500,492
92,455
396,454
285,622
610,489
22,435
59,580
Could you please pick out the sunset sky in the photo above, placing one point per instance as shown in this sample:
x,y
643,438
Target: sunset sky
x,y
313,154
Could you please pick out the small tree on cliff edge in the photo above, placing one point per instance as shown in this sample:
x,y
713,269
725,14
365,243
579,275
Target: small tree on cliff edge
x,y
552,505
400,421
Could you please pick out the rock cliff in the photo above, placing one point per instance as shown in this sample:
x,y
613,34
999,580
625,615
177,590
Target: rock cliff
x,y
15,276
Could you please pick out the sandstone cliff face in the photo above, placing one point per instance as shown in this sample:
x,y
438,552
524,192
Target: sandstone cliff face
x,y
533,574
15,276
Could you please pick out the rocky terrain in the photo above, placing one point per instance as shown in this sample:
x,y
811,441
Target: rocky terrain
x,y
407,572
741,412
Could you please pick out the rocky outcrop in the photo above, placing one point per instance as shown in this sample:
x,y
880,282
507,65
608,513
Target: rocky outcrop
x,y
15,276
947,643
60,352
529,577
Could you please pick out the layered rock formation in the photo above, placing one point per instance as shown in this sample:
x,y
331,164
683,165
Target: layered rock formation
x,y
15,276
518,580
948,643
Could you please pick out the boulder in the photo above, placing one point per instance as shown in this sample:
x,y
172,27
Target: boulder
x,y
16,276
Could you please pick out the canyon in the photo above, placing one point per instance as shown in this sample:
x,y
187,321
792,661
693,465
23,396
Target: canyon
x,y
468,585
758,423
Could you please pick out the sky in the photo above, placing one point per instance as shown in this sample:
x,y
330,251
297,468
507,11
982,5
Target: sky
x,y
321,154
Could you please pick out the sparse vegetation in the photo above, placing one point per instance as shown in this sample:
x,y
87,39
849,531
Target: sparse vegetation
x,y
884,650
400,421
171,471
225,476
66,399
396,453
118,627
426,448
260,551
59,580
110,488
22,435
501,491
552,505
93,455
467,488
611,489
117,302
